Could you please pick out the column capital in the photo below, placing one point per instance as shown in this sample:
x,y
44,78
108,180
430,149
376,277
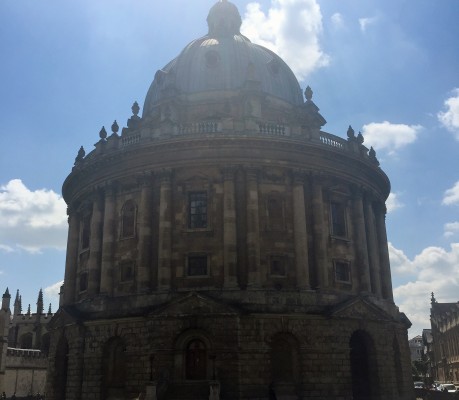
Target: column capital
x,y
164,174
144,179
111,187
298,176
229,171
253,173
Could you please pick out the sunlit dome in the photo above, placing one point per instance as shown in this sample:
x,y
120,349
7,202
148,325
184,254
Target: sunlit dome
x,y
223,60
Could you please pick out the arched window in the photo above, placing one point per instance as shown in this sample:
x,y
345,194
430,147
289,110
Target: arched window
x,y
363,367
60,369
26,340
44,345
196,360
128,219
114,369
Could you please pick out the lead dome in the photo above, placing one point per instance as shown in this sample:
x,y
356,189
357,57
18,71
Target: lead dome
x,y
223,60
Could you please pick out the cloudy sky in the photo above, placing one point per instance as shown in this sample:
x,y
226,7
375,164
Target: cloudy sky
x,y
388,68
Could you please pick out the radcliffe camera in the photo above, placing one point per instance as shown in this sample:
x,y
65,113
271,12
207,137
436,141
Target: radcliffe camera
x,y
222,243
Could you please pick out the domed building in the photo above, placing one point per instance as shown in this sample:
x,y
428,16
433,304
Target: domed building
x,y
223,246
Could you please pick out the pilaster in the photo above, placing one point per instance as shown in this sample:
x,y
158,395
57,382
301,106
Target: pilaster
x,y
360,242
253,227
95,244
71,261
165,230
145,233
229,229
300,232
108,240
319,230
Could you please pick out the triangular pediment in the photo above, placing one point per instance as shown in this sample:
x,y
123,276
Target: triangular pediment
x,y
195,304
61,318
360,308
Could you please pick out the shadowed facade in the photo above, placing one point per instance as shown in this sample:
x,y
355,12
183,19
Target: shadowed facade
x,y
224,246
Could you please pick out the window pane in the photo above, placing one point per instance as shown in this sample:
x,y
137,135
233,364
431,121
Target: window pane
x,y
128,220
342,272
197,210
338,217
278,266
197,265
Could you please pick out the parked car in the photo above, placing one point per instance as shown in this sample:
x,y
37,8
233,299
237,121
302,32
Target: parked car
x,y
448,387
419,385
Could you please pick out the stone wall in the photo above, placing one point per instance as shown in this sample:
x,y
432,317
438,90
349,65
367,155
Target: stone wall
x,y
240,354
25,372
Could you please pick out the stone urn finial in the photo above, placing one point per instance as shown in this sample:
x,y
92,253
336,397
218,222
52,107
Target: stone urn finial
x,y
308,93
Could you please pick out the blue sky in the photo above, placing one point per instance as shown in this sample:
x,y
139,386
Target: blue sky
x,y
388,68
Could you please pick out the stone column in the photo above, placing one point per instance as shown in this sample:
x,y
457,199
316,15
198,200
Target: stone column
x,y
384,263
95,246
300,232
71,261
320,234
165,230
361,248
229,229
372,241
253,228
145,235
108,241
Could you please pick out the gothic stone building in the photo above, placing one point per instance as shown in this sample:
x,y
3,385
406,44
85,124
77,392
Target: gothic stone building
x,y
223,246
24,345
444,320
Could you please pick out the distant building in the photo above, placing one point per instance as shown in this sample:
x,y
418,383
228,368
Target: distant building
x,y
444,319
225,246
24,340
416,348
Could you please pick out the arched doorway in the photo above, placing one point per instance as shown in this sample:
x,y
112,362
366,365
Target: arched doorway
x,y
284,366
114,369
363,367
196,360
61,368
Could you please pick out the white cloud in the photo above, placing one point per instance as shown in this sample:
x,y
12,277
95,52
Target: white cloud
x,y
452,195
365,22
451,228
51,295
6,249
393,202
388,136
291,28
33,219
337,21
52,292
433,270
450,117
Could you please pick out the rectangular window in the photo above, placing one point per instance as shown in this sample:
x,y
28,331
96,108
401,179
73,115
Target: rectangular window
x,y
197,265
277,264
85,232
197,210
342,271
83,281
126,271
338,219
